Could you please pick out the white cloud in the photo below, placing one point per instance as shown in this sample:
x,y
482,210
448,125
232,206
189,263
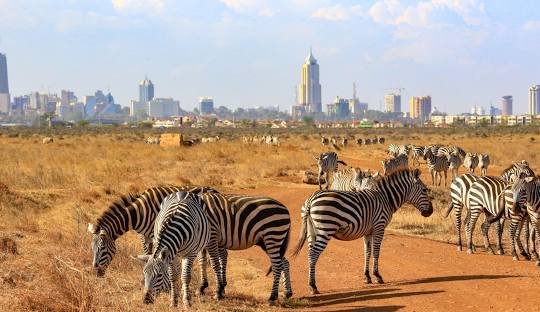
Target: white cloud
x,y
337,12
531,25
138,5
261,8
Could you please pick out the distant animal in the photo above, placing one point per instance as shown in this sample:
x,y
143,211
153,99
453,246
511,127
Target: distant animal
x,y
380,140
327,163
454,162
47,140
483,163
360,141
344,141
325,141
152,140
210,139
351,215
416,153
436,165
394,164
367,141
181,231
470,162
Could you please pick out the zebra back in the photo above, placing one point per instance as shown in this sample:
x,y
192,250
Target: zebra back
x,y
517,170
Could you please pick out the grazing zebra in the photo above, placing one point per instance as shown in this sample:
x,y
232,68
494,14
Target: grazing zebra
x,y
397,163
351,215
394,150
380,140
470,162
327,162
351,179
528,192
325,141
483,163
360,142
417,152
367,141
454,162
344,141
243,221
131,212
181,231
436,165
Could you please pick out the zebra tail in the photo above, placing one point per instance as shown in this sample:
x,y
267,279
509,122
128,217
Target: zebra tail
x,y
492,219
282,250
342,162
448,210
307,225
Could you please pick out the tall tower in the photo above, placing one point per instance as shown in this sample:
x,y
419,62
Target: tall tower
x,y
310,89
534,100
146,90
4,86
507,105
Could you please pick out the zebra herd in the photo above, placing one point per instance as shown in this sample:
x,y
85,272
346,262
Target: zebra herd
x,y
344,141
268,139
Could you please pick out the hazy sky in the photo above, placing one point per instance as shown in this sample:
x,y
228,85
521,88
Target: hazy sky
x,y
249,53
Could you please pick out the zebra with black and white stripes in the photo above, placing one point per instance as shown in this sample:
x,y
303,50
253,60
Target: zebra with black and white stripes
x,y
181,231
416,153
395,149
351,215
400,162
454,162
470,162
243,221
483,163
349,179
436,165
327,163
131,212
517,169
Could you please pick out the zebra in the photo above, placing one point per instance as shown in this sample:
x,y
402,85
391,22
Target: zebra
x,y
243,221
181,231
327,162
131,212
470,162
417,152
460,188
397,163
360,141
528,191
454,162
351,179
483,163
436,165
450,149
325,141
351,215
344,141
395,150
380,140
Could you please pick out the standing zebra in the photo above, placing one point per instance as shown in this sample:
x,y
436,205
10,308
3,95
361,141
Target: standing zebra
x,y
454,162
470,162
243,221
181,231
417,152
349,179
397,163
327,162
325,141
395,150
529,193
132,212
483,163
351,215
436,165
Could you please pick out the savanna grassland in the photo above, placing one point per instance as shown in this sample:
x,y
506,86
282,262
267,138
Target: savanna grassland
x,y
49,193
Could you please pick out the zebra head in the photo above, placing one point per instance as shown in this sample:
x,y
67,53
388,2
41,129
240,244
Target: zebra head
x,y
103,249
156,268
427,152
418,195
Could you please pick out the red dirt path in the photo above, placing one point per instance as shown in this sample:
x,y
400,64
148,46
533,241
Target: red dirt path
x,y
420,274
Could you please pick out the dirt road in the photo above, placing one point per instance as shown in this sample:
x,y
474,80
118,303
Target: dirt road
x,y
420,274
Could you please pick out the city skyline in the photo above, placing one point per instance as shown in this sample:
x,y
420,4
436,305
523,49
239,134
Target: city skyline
x,y
382,45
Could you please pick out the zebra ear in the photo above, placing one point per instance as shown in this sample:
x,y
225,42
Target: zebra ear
x,y
141,258
376,174
92,228
530,179
164,253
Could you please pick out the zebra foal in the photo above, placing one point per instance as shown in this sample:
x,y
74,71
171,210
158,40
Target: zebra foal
x,y
327,163
351,215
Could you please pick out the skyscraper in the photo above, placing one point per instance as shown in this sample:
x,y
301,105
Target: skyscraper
x,y
420,107
4,86
206,105
506,105
309,95
392,103
146,90
534,100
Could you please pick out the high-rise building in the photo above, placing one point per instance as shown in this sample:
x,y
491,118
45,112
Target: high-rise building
x,y
5,103
89,102
478,110
494,111
206,105
163,108
355,106
534,100
420,107
309,94
506,105
146,90
4,86
392,103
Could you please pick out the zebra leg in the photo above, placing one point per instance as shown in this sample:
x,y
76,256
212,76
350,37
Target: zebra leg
x,y
327,179
445,173
276,262
367,256
536,227
174,273
499,226
485,230
531,238
523,250
513,231
286,278
473,216
314,251
213,251
377,241
187,264
203,264
457,212
319,179
223,254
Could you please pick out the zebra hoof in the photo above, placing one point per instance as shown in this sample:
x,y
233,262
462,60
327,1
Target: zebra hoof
x,y
459,248
288,295
273,299
500,252
526,256
469,251
380,280
516,258
314,290
218,296
367,281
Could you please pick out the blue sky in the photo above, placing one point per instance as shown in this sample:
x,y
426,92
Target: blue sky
x,y
248,53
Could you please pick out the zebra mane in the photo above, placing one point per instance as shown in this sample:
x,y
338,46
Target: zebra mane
x,y
114,208
397,174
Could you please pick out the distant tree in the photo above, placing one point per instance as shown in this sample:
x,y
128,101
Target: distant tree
x,y
308,121
83,123
196,111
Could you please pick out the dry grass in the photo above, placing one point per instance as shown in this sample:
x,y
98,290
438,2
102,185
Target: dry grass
x,y
49,192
